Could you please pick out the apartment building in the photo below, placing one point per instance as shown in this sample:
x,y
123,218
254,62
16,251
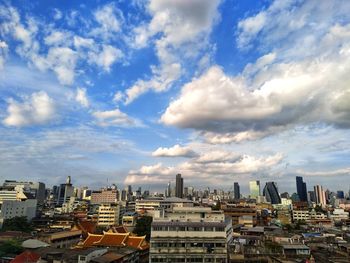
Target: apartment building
x,y
108,215
190,234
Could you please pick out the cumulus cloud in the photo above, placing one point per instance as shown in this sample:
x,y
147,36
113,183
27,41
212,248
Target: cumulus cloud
x,y
39,109
82,98
279,91
214,168
175,151
115,118
109,18
106,57
178,25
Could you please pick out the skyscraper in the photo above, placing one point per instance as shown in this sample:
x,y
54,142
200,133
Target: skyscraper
x,y
320,195
271,193
179,187
168,190
236,191
254,187
301,189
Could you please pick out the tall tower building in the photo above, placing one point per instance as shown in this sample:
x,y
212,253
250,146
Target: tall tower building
x,y
271,193
179,187
301,189
236,191
168,190
320,195
254,187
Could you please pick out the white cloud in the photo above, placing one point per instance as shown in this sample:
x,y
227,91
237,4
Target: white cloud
x,y
175,151
182,27
37,110
162,79
57,14
56,38
274,94
106,57
3,53
82,98
215,168
115,118
110,20
118,96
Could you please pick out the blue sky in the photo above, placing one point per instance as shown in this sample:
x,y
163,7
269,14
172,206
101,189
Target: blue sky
x,y
133,92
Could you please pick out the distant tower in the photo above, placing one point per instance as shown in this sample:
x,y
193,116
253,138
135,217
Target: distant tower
x,y
168,190
236,191
68,180
254,187
320,195
179,187
271,193
301,189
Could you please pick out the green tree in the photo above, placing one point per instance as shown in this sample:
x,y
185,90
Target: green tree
x,y
10,247
18,223
143,226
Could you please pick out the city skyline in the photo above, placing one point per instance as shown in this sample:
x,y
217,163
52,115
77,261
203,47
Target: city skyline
x,y
115,92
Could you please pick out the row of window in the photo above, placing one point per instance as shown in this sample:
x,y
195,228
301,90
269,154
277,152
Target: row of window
x,y
188,228
187,260
192,244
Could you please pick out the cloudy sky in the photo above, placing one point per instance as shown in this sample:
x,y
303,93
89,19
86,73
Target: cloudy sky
x,y
133,92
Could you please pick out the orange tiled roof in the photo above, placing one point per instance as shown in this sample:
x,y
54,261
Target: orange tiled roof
x,y
91,239
137,242
87,226
112,239
26,256
120,229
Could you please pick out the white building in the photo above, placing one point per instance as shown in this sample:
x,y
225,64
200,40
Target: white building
x,y
300,215
108,215
16,208
339,214
152,204
190,234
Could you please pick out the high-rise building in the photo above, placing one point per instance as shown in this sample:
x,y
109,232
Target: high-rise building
x,y
340,194
179,187
271,193
236,191
254,187
65,192
320,195
311,196
168,190
301,189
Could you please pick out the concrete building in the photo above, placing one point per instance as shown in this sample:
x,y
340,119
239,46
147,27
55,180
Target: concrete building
x,y
148,206
36,189
65,192
190,234
104,196
300,215
320,195
15,203
108,215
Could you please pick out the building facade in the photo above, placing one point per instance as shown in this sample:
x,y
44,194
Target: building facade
x,y
254,187
190,234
